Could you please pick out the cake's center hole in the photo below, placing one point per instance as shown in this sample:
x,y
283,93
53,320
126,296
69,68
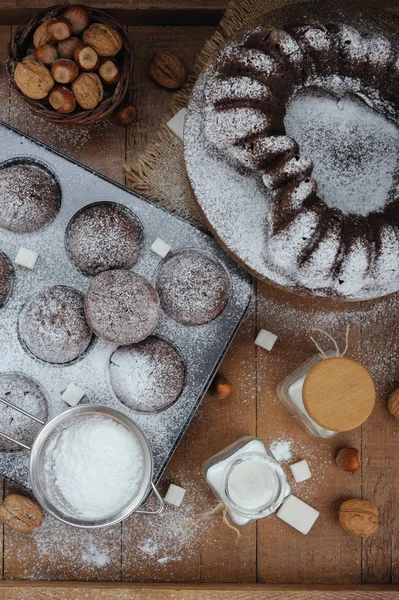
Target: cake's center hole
x,y
355,150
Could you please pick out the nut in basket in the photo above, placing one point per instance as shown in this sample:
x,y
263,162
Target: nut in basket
x,y
71,64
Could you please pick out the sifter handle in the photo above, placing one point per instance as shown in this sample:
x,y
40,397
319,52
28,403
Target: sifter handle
x,y
152,512
23,412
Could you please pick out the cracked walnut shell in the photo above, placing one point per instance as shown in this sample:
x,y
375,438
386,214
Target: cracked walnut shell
x,y
33,79
358,517
20,513
105,40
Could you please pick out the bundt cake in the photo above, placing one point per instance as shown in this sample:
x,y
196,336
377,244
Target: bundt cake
x,y
310,242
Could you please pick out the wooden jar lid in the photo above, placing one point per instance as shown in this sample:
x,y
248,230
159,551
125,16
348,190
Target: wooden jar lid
x,y
338,394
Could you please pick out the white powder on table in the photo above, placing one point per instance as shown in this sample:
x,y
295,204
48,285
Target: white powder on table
x,y
98,466
281,450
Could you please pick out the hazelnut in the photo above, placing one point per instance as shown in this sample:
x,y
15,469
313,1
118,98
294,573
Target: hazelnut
x,y
358,517
86,57
33,79
62,100
393,404
88,90
59,28
78,16
64,70
220,387
41,37
20,513
167,70
47,54
126,114
348,460
66,47
105,40
109,71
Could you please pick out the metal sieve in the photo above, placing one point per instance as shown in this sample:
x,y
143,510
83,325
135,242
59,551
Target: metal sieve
x,y
43,484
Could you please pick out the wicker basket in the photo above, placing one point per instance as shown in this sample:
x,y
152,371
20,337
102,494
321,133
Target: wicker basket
x,y
23,39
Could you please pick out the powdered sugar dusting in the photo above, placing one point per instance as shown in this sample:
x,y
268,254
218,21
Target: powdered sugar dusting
x,y
355,151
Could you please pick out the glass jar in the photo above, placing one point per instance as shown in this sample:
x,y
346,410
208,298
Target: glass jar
x,y
289,391
328,394
246,477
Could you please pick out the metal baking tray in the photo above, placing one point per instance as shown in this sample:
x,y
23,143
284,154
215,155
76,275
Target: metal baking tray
x,y
201,347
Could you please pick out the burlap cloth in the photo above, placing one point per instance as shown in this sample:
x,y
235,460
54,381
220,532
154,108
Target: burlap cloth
x,y
160,174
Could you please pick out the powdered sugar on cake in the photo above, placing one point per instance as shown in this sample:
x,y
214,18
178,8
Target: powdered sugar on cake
x,y
344,165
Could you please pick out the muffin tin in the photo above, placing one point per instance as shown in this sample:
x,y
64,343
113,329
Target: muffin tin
x,y
201,347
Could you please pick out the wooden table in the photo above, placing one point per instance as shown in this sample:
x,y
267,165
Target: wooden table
x,y
182,547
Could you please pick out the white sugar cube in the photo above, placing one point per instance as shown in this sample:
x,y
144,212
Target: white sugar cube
x,y
26,258
73,394
301,471
160,247
176,124
299,515
175,495
265,339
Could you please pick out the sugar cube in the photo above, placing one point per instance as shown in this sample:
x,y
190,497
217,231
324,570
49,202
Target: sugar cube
x,y
160,247
299,515
176,124
175,495
26,258
73,394
301,471
265,339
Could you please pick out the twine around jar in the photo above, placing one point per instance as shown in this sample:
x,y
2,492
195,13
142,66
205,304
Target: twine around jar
x,y
338,353
220,507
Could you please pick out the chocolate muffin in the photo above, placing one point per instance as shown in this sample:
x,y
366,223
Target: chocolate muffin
x,y
147,377
6,278
103,237
121,307
53,325
192,287
30,196
26,394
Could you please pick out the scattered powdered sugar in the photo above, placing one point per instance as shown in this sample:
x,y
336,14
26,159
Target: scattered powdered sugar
x,y
281,450
97,465
355,150
92,556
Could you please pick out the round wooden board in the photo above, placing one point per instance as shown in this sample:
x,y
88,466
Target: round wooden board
x,y
312,10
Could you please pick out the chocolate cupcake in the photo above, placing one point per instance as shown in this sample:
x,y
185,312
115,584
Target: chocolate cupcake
x,y
53,325
192,287
6,279
121,307
103,237
25,393
30,196
147,377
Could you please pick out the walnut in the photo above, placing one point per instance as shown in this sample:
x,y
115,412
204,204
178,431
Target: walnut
x,y
167,70
41,37
358,517
105,40
33,79
20,513
393,404
88,90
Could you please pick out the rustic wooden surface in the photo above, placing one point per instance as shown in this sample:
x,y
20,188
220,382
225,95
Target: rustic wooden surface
x,y
185,548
